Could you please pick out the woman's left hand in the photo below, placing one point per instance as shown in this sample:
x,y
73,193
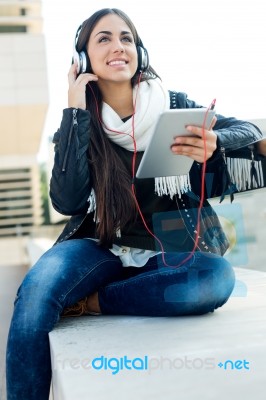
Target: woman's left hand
x,y
261,147
193,146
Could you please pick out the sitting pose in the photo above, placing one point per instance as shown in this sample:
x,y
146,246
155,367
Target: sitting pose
x,y
108,259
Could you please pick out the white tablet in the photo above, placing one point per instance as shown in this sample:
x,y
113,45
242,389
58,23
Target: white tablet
x,y
158,159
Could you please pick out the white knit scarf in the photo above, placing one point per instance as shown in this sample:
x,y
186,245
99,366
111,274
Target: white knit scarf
x,y
152,99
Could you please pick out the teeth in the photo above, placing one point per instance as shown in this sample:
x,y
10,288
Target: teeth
x,y
117,62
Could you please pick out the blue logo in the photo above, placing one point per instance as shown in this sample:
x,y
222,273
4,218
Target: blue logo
x,y
238,364
117,364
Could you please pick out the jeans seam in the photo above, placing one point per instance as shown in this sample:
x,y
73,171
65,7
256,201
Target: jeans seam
x,y
57,317
63,297
193,264
135,278
192,258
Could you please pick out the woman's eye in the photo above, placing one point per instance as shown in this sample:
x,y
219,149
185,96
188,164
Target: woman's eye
x,y
103,39
127,39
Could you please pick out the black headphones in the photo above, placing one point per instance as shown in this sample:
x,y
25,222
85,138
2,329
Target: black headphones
x,y
83,60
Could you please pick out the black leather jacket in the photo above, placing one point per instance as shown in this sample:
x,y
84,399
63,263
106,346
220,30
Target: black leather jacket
x,y
70,184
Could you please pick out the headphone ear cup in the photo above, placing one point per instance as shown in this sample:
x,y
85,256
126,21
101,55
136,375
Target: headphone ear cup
x,y
82,58
84,62
143,58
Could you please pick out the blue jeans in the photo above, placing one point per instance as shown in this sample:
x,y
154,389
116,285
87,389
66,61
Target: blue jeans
x,y
77,268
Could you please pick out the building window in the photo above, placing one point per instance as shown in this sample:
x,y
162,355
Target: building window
x,y
23,11
17,214
13,28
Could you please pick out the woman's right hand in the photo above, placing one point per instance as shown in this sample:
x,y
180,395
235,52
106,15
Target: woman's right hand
x,y
77,87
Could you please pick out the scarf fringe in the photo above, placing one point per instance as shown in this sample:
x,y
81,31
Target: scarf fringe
x,y
245,174
169,185
92,204
172,185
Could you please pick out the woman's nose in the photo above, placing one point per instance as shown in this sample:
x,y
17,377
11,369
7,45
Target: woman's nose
x,y
118,47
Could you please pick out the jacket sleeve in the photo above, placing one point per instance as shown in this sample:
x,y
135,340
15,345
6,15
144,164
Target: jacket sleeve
x,y
234,134
235,164
70,183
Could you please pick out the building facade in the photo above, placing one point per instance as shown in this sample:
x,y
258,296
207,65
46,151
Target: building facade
x,y
23,107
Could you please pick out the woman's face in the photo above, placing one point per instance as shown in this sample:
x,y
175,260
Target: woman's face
x,y
112,51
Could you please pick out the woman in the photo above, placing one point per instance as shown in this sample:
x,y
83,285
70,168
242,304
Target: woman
x,y
114,100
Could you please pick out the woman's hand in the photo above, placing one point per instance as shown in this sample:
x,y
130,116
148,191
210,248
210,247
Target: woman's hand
x,y
261,147
77,87
193,146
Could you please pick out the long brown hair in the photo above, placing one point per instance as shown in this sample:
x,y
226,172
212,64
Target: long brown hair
x,y
111,180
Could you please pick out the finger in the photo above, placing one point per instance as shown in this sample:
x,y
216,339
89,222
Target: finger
x,y
200,130
85,78
189,151
188,140
214,120
197,130
72,74
196,153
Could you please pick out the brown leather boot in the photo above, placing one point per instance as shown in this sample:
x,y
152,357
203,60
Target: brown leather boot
x,y
78,309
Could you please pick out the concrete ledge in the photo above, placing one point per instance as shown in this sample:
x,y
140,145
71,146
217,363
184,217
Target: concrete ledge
x,y
12,251
182,353
36,247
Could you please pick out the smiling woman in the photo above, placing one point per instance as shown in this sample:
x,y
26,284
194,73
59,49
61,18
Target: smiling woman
x,y
114,59
107,259
196,53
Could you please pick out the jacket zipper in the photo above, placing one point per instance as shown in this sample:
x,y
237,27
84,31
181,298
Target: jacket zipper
x,y
73,126
223,154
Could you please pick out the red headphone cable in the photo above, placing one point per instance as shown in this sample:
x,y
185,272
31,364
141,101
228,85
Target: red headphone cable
x,y
134,168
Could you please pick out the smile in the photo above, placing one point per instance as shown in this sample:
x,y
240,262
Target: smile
x,y
117,62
